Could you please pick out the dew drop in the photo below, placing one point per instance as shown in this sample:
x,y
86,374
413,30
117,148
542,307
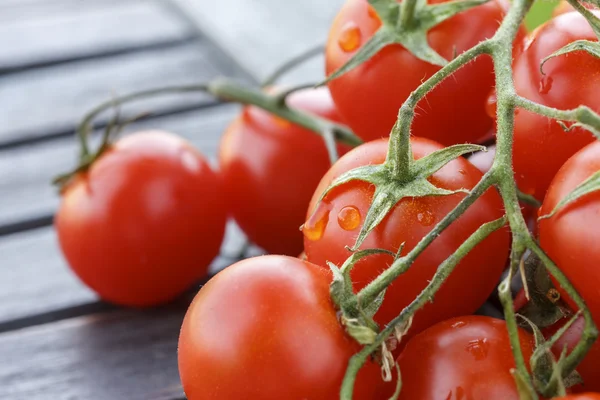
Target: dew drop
x,y
350,37
546,85
314,228
478,348
349,218
458,324
372,13
426,218
491,105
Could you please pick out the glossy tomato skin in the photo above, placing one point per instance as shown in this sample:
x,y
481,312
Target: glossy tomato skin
x,y
571,239
541,146
461,358
265,329
409,221
370,96
571,236
270,169
144,222
588,369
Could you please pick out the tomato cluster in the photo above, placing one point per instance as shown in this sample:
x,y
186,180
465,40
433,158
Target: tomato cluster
x,y
144,221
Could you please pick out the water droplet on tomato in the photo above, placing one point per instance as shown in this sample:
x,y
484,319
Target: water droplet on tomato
x,y
372,13
349,218
546,85
462,172
478,348
350,37
426,218
458,324
314,228
491,105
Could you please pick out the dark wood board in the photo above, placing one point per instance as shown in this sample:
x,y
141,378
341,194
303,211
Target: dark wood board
x,y
37,33
43,102
111,356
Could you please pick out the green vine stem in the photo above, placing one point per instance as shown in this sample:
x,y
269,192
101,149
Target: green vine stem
x,y
443,271
501,174
225,90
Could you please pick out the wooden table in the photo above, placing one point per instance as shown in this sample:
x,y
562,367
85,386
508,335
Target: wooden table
x,y
59,58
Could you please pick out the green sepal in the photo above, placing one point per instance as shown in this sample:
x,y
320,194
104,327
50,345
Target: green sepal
x,y
413,38
361,333
433,162
591,127
592,48
388,195
590,185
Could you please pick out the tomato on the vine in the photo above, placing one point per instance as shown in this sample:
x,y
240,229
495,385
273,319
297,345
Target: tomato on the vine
x,y
541,145
571,236
370,95
144,222
266,329
588,368
462,358
270,169
338,219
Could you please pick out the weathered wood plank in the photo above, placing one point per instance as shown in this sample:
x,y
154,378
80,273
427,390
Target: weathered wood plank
x,y
261,34
42,102
35,33
122,355
26,171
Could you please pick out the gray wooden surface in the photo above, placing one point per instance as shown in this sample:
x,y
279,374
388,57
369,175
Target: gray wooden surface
x,y
58,59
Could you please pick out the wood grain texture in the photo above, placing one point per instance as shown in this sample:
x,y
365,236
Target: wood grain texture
x,y
26,172
40,102
122,355
262,34
36,33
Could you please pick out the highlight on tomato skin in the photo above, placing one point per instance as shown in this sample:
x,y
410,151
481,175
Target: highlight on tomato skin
x,y
265,328
143,224
462,358
370,96
270,169
327,236
541,146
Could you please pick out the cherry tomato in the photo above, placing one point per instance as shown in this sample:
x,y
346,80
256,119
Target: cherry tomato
x,y
338,219
541,146
462,358
144,222
370,95
571,236
588,369
265,328
270,169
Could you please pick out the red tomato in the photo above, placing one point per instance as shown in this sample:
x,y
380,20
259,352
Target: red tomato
x,y
339,218
144,222
270,169
370,95
571,239
571,236
462,358
265,328
541,146
588,369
